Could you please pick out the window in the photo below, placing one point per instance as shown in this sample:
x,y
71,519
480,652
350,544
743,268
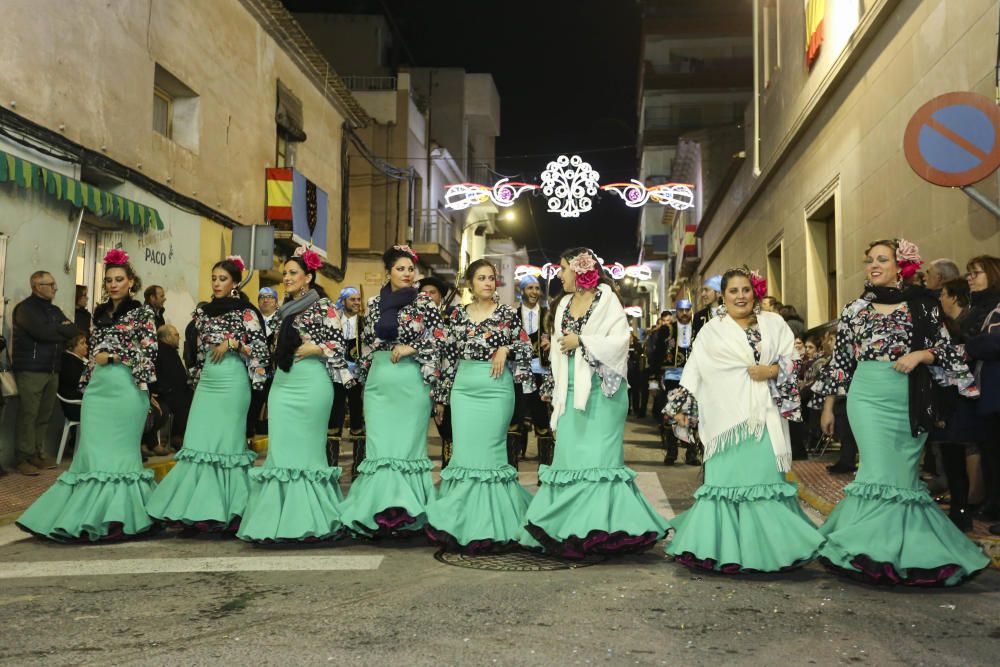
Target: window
x,y
175,110
289,122
821,258
775,270
162,111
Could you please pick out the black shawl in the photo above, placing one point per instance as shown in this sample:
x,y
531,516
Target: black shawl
x,y
390,303
105,315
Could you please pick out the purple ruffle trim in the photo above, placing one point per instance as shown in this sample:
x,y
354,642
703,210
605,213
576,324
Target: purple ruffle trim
x,y
596,542
207,526
392,522
448,542
885,574
309,539
711,565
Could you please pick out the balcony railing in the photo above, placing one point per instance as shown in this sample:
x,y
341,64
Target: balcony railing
x,y
369,83
433,226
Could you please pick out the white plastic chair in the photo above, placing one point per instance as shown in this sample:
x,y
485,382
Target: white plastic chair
x,y
67,425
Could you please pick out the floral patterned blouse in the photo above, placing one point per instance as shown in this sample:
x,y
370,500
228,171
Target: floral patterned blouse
x,y
420,327
479,341
132,339
319,324
245,328
784,388
610,381
864,334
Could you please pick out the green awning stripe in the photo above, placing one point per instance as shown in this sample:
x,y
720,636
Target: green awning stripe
x,y
63,188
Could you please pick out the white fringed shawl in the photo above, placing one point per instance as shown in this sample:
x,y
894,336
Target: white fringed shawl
x,y
606,337
731,406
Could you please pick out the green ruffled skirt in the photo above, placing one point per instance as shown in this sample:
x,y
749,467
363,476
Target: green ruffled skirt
x,y
391,493
746,517
209,485
104,493
295,495
587,501
887,529
480,506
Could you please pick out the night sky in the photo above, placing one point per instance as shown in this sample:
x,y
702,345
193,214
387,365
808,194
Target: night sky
x,y
566,71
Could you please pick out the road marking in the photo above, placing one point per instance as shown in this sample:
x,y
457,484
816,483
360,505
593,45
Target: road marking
x,y
90,568
649,484
11,533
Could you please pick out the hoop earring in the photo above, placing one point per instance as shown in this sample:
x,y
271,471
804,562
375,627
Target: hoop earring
x,y
234,292
722,310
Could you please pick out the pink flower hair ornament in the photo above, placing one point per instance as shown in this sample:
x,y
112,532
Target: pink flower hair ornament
x,y
238,261
408,250
908,258
586,269
759,284
116,257
310,258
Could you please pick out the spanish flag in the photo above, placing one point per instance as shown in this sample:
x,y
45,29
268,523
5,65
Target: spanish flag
x,y
279,195
815,13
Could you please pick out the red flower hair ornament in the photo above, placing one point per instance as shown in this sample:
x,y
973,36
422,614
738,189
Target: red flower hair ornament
x,y
238,261
408,250
908,258
586,269
116,257
759,284
310,258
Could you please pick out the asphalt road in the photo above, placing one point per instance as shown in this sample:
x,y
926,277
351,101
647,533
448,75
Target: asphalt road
x,y
171,600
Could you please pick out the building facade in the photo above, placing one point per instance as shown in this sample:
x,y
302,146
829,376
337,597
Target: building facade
x,y
173,121
824,171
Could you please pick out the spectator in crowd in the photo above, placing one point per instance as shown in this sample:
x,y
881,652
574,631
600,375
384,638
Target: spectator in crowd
x,y
939,272
156,299
267,302
955,436
982,330
82,318
792,319
74,363
171,388
40,331
770,304
190,353
711,299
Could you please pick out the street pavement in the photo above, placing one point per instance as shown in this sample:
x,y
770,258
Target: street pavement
x,y
192,601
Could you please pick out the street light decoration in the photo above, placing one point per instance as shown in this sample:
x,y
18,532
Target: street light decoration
x,y
637,195
504,193
639,272
569,183
633,311
523,270
616,270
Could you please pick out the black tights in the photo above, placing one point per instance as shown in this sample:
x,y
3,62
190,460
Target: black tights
x,y
953,459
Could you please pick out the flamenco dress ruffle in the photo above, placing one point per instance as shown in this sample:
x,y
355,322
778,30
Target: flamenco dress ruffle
x,y
209,485
295,496
394,485
104,493
887,529
481,505
587,501
746,517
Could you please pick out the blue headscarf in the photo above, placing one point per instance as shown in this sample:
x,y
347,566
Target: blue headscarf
x,y
524,282
715,282
344,293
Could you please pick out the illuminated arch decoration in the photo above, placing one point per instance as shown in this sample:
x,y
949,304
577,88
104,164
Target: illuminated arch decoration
x,y
504,193
524,270
633,311
616,270
637,195
639,272
569,184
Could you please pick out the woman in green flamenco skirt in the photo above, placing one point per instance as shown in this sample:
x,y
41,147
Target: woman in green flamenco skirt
x,y
891,345
295,496
739,386
403,336
103,495
480,506
587,501
209,486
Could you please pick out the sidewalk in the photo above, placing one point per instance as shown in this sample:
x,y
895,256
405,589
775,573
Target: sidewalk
x,y
822,490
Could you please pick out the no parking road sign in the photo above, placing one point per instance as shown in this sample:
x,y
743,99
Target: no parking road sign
x,y
954,140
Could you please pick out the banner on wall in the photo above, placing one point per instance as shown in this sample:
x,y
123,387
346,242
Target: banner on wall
x,y
815,13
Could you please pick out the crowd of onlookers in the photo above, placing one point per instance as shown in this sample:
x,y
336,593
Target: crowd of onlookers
x,y
48,354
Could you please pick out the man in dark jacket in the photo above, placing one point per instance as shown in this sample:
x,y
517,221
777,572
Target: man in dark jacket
x,y
171,388
41,331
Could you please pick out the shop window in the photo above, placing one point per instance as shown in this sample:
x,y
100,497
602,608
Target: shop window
x,y
175,109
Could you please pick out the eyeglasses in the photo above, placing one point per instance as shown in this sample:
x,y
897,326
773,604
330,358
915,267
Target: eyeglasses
x,y
972,274
52,284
